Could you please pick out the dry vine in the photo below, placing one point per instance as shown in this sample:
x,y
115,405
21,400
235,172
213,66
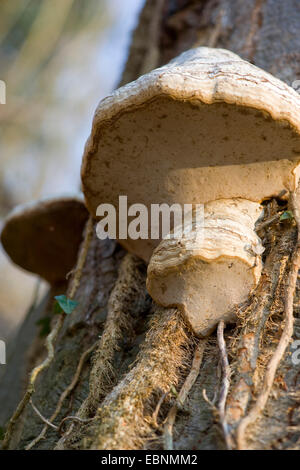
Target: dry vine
x,y
124,419
286,336
225,384
253,321
119,322
62,398
51,338
189,382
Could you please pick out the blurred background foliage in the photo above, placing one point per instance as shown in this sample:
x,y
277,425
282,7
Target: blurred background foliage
x,y
58,58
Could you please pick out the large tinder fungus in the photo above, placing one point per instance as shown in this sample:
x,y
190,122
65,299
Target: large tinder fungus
x,y
207,126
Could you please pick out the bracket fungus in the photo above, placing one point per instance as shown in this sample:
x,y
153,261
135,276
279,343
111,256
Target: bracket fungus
x,y
43,237
207,126
205,274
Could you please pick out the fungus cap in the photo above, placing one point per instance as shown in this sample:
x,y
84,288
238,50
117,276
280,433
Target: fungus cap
x,y
43,237
206,126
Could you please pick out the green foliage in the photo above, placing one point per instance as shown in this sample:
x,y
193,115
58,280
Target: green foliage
x,y
63,304
287,215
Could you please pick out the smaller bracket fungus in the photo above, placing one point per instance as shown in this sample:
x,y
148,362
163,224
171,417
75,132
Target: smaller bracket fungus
x,y
210,269
43,237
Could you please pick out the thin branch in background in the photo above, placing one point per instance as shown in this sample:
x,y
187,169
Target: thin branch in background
x,y
286,336
189,382
10,15
45,31
225,384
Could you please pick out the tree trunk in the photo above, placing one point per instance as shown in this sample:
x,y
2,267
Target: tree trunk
x,y
264,32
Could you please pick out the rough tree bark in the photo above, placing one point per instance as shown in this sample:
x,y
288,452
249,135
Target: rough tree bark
x,y
265,32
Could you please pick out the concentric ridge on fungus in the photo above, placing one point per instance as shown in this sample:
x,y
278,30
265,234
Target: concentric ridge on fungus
x,y
206,276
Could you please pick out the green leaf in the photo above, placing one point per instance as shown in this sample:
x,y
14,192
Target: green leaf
x,y
67,305
286,215
44,323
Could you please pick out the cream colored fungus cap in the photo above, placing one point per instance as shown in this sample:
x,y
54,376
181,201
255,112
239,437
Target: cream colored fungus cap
x,y
206,126
206,276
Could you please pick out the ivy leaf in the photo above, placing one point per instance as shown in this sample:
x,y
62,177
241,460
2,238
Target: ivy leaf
x,y
286,215
44,323
67,305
